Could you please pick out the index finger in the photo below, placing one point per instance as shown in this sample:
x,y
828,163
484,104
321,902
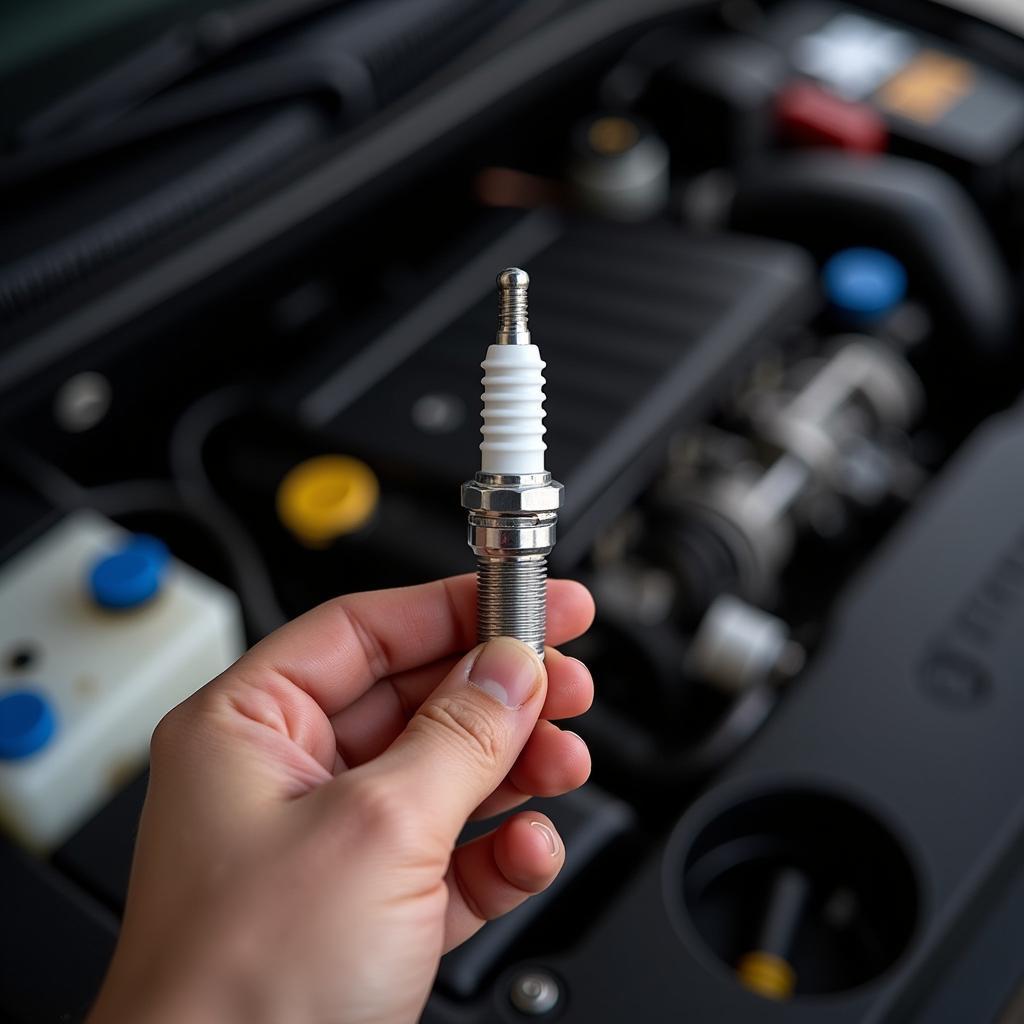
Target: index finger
x,y
338,650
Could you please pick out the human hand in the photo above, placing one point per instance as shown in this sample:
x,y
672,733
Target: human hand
x,y
296,857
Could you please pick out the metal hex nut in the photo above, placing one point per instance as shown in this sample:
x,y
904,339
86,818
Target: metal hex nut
x,y
478,497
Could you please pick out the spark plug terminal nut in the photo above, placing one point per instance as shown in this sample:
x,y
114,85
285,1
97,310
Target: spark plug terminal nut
x,y
512,502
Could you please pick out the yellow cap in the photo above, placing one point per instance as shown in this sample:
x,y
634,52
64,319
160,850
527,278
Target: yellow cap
x,y
767,975
326,497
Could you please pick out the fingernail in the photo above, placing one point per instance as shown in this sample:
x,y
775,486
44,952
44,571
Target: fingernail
x,y
507,670
548,834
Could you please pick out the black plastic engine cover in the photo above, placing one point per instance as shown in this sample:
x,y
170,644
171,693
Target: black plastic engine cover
x,y
908,727
640,326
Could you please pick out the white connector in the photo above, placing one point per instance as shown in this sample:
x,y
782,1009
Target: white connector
x,y
112,663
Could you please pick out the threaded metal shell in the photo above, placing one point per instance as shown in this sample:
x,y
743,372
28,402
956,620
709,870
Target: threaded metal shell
x,y
512,598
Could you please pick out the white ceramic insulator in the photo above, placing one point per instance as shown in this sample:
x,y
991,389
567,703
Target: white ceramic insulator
x,y
513,413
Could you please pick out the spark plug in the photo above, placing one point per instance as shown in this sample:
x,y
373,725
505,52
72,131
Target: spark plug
x,y
512,502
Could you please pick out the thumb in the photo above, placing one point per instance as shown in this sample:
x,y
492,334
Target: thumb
x,y
467,734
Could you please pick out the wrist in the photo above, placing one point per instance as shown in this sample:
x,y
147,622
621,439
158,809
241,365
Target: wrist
x,y
147,999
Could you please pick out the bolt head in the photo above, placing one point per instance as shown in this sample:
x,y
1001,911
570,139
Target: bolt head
x,y
535,992
82,402
479,497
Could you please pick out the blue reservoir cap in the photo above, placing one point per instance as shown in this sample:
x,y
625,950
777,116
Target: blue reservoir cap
x,y
864,284
131,576
26,724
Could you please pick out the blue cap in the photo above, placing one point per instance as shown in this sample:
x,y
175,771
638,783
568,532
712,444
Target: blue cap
x,y
131,576
864,284
26,724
